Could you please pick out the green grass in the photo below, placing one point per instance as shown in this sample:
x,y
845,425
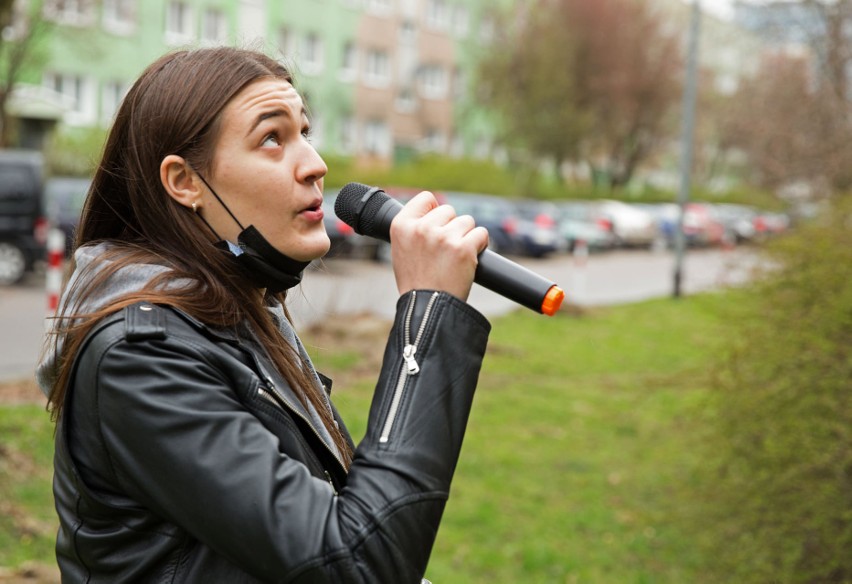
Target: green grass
x,y
27,518
578,455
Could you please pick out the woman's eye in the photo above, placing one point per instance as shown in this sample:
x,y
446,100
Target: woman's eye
x,y
306,134
271,140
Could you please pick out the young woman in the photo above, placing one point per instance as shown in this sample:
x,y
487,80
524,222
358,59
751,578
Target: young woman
x,y
195,442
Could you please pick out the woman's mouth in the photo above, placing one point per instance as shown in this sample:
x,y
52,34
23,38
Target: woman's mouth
x,y
313,213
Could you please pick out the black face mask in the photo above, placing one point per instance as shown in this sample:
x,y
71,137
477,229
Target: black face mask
x,y
261,264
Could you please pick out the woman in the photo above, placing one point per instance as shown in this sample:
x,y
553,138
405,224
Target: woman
x,y
195,442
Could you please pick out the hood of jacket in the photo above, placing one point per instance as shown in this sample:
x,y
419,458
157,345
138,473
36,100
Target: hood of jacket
x,y
89,262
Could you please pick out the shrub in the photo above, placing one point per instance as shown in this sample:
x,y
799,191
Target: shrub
x,y
777,504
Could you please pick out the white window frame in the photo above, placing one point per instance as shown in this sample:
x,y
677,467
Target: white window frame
x,y
70,12
112,93
285,39
377,138
381,8
433,82
119,16
406,101
214,20
80,94
348,139
180,31
349,62
312,55
438,15
434,141
377,68
407,32
461,21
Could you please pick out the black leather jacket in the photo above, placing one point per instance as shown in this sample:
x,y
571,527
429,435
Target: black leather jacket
x,y
179,458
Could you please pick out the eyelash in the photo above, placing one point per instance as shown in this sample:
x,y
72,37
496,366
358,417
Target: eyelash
x,y
306,134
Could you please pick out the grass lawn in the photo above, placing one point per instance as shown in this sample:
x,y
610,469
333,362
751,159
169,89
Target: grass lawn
x,y
576,467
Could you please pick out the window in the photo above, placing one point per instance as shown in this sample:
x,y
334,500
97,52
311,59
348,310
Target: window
x,y
111,96
347,143
312,60
406,102
377,138
349,63
178,22
434,141
459,83
377,73
119,16
285,41
461,21
77,91
214,27
317,136
433,82
407,33
486,30
71,12
437,14
380,7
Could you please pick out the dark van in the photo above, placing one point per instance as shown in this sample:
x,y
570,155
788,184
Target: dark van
x,y
23,225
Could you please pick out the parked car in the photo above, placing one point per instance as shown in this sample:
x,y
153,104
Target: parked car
x,y
737,219
631,225
496,214
536,232
63,202
577,223
23,225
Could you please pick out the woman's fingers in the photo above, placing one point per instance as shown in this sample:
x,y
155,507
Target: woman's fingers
x,y
434,248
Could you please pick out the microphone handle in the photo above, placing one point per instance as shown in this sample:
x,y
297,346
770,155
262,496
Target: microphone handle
x,y
512,280
494,272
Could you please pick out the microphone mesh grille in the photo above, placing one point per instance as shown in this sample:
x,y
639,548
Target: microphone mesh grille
x,y
347,203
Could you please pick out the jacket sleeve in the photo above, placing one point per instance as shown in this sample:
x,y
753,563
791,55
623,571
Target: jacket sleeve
x,y
180,443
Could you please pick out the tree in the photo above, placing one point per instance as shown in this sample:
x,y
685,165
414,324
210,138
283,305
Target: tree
x,y
793,120
583,80
18,41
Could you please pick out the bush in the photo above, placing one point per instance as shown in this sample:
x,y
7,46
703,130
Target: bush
x,y
75,151
777,504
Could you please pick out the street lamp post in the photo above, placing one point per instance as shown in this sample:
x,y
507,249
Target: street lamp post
x,y
689,99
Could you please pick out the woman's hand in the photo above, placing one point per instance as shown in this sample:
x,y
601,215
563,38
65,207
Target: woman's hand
x,y
434,249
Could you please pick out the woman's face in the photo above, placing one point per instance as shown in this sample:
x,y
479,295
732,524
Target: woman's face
x,y
267,172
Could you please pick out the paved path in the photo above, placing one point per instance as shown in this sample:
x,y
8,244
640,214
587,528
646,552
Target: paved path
x,y
344,287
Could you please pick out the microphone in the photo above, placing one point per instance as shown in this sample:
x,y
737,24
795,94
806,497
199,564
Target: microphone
x,y
369,211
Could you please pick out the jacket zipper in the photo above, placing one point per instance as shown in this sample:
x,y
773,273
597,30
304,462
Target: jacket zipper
x,y
409,366
276,397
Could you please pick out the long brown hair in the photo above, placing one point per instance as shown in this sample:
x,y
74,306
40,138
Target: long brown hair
x,y
174,107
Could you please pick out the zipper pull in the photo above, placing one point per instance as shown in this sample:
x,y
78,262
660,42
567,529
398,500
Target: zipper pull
x,y
408,354
330,482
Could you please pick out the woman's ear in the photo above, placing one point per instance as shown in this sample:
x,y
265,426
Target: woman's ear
x,y
178,179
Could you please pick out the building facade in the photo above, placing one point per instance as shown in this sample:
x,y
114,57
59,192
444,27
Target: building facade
x,y
383,79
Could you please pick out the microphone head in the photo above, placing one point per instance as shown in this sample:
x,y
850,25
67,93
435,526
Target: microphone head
x,y
357,205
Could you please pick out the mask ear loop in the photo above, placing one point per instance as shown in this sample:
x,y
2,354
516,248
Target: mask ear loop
x,y
220,202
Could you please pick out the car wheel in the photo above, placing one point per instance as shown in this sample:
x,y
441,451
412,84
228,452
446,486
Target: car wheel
x,y
13,264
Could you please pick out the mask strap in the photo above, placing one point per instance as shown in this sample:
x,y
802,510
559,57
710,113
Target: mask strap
x,y
220,202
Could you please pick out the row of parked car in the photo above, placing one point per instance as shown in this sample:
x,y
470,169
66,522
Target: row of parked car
x,y
30,205
538,229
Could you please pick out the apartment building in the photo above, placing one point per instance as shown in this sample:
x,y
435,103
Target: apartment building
x,y
383,79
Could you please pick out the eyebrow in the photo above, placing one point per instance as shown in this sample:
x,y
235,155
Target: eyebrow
x,y
273,114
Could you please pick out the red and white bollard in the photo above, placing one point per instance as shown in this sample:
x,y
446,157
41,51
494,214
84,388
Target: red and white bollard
x,y
581,258
55,269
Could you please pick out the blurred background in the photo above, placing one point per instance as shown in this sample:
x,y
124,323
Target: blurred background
x,y
600,141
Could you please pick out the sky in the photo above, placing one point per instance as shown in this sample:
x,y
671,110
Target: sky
x,y
722,8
